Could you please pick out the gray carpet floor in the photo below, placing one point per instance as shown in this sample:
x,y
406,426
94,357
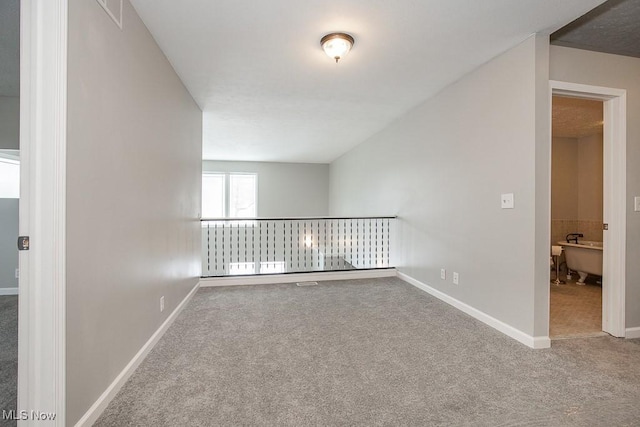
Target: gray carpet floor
x,y
8,355
367,353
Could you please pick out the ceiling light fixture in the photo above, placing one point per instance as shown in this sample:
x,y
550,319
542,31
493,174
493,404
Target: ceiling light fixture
x,y
337,45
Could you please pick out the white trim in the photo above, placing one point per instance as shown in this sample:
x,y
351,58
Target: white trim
x,y
94,412
42,283
615,197
577,90
528,340
10,155
116,19
12,159
9,291
631,333
296,277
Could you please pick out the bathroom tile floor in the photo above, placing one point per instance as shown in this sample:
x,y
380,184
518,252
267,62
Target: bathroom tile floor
x,y
575,311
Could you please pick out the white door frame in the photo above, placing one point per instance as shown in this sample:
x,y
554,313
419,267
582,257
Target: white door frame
x,y
614,191
43,125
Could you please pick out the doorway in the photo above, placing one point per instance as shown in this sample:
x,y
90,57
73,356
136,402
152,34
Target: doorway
x,y
576,217
613,198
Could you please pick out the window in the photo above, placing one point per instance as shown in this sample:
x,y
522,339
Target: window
x,y
265,267
229,195
273,267
242,196
213,195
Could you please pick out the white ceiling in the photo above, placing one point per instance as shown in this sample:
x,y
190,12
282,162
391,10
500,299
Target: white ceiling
x,y
269,93
9,47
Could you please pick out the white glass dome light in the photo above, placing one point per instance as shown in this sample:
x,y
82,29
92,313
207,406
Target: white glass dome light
x,y
337,45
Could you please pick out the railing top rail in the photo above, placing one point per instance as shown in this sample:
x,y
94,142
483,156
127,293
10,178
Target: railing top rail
x,y
298,218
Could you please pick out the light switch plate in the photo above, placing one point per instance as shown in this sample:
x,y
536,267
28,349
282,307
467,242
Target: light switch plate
x,y
443,274
507,201
636,203
456,278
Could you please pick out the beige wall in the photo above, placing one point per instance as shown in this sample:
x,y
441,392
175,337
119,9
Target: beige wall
x,y
590,178
564,178
133,196
600,69
576,187
284,189
442,168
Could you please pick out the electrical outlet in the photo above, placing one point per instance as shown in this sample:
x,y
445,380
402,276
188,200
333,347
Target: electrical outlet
x,y
456,278
17,273
443,274
162,303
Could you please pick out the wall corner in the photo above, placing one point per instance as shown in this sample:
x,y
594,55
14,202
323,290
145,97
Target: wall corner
x,y
542,185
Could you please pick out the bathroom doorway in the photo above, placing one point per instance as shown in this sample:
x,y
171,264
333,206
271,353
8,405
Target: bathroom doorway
x,y
579,210
577,158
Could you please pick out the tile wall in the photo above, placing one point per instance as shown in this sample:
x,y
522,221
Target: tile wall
x,y
592,230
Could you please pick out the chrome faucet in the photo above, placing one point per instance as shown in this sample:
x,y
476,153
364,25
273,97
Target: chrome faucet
x,y
573,237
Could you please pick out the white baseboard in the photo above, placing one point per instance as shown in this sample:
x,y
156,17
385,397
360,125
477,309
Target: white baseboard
x,y
8,291
632,333
528,340
296,277
103,401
